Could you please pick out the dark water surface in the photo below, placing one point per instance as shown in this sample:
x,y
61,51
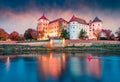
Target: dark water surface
x,y
60,67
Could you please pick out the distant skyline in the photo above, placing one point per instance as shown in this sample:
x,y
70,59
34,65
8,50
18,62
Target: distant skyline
x,y
19,15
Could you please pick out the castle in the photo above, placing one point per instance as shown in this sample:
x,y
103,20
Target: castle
x,y
47,29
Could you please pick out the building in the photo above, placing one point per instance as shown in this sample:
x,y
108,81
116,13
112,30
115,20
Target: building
x,y
95,28
75,26
42,28
55,27
47,29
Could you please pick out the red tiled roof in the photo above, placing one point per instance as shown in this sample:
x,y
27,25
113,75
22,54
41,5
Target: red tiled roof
x,y
59,19
43,17
82,21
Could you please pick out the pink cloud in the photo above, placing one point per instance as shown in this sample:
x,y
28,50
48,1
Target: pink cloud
x,y
24,20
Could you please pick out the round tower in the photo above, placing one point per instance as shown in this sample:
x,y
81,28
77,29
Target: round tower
x,y
95,28
75,26
96,24
42,27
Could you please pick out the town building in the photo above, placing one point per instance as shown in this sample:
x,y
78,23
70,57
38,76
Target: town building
x,y
95,28
55,27
47,29
42,28
75,26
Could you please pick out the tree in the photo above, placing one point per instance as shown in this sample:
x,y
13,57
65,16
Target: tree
x,y
40,34
30,34
97,33
83,34
64,34
3,34
108,34
22,38
118,33
14,36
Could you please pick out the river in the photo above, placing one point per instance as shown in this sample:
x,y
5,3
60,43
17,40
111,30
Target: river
x,y
60,67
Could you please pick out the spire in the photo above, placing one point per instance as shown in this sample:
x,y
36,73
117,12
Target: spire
x,y
96,20
43,17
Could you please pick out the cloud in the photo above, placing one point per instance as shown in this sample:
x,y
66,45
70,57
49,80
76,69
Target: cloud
x,y
13,21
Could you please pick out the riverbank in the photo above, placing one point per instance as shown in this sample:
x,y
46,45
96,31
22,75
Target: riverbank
x,y
26,49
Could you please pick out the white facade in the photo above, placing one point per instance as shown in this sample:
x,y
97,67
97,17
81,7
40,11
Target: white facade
x,y
74,29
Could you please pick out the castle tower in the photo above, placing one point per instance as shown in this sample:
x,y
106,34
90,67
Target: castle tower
x,y
75,26
42,27
95,25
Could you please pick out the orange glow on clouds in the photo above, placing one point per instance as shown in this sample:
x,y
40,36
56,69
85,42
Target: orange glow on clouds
x,y
13,21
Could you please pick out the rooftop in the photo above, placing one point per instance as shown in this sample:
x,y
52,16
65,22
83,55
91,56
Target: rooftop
x,y
96,20
59,19
43,17
82,21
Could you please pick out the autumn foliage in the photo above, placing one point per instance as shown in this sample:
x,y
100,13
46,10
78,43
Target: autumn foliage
x,y
14,36
3,34
108,34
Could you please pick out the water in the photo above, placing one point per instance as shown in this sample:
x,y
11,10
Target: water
x,y
60,67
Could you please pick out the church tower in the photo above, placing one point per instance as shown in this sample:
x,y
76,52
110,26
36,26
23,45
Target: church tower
x,y
42,28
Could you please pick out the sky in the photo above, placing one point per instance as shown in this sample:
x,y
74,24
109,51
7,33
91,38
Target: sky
x,y
19,15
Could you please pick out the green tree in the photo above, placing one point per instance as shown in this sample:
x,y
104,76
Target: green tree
x,y
64,34
30,34
83,34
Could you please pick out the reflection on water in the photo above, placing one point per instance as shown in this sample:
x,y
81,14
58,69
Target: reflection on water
x,y
60,67
8,63
51,65
93,66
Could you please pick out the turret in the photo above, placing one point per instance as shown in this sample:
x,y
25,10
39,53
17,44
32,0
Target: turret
x,y
96,23
42,27
95,28
75,26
